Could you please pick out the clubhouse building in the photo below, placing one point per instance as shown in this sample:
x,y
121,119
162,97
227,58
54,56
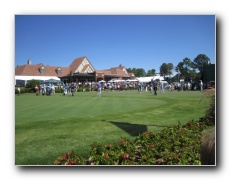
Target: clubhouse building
x,y
80,70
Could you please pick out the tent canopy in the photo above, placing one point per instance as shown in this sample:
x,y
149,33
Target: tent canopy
x,y
44,78
52,81
148,79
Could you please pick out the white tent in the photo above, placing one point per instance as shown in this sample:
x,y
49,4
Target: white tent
x,y
148,79
39,78
144,79
116,80
132,80
36,78
102,81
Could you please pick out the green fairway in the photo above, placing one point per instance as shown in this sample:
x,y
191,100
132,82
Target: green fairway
x,y
48,126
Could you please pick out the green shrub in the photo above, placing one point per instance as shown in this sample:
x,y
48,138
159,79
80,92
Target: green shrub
x,y
59,90
22,90
174,145
32,84
80,89
70,158
87,89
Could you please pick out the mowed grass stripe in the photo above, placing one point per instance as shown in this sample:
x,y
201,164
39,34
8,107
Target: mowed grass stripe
x,y
44,108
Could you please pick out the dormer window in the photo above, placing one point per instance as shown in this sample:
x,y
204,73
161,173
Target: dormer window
x,y
42,70
59,71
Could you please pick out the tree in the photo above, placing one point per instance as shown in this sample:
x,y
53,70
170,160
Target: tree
x,y
151,72
32,84
166,69
186,69
200,61
138,72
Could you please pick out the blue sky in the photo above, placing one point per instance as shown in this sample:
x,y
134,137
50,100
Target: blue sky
x,y
135,41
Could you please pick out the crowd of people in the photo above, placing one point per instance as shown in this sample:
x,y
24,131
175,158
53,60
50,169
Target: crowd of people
x,y
152,87
45,89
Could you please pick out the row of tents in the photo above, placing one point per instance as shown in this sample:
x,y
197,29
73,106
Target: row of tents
x,y
139,79
22,80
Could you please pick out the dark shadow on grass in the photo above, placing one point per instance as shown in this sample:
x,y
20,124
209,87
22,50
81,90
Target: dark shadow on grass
x,y
132,129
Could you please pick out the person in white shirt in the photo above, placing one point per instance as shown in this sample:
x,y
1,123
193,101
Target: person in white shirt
x,y
201,86
19,91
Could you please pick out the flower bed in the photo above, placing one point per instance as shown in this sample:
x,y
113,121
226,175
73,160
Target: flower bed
x,y
174,145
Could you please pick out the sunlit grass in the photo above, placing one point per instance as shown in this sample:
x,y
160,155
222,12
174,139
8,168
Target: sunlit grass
x,y
48,126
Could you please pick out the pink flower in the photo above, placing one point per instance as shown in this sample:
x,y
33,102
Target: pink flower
x,y
69,153
122,142
106,156
182,131
74,161
125,156
145,133
151,145
64,158
190,122
68,163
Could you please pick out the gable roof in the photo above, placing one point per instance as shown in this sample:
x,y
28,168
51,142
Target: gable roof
x,y
117,71
80,65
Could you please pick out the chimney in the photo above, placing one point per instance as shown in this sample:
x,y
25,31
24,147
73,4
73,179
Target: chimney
x,y
29,62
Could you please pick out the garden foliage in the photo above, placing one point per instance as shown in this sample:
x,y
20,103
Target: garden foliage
x,y
174,145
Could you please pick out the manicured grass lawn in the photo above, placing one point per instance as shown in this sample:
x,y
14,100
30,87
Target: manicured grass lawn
x,y
48,126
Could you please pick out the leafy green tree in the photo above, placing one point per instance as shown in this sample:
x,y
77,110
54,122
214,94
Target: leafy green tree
x,y
185,70
138,72
200,61
166,69
151,72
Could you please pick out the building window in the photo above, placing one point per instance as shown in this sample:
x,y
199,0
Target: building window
x,y
59,71
42,70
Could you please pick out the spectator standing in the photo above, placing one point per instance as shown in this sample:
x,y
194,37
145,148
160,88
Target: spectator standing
x,y
64,90
44,89
37,90
19,91
98,89
201,86
155,83
53,89
139,87
161,87
72,89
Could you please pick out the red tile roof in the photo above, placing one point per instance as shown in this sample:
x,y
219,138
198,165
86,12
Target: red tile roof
x,y
34,70
76,63
118,71
74,66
